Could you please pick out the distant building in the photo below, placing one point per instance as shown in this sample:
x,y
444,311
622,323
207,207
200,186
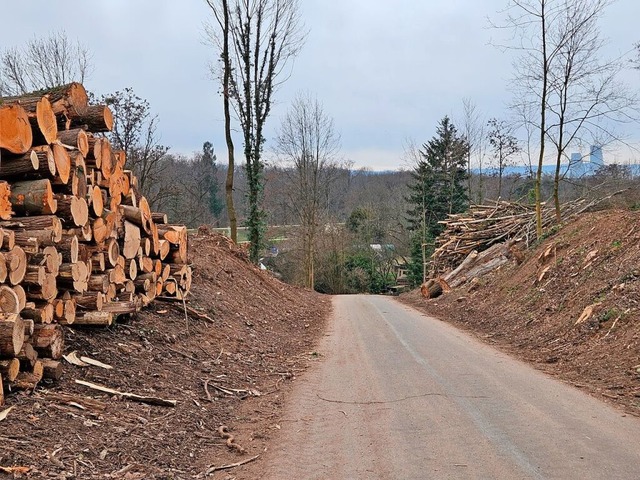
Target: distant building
x,y
595,157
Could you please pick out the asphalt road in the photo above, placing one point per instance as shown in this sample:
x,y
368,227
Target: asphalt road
x,y
399,395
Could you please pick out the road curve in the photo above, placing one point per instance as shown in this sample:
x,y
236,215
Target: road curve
x,y
400,395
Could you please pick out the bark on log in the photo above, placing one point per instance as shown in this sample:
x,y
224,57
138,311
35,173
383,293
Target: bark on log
x,y
431,289
33,197
76,138
159,218
121,307
97,118
79,186
89,301
93,318
52,369
21,165
27,356
15,129
68,247
48,341
70,99
39,314
47,292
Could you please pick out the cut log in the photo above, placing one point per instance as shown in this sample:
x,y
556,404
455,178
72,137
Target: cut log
x,y
27,356
79,186
3,268
146,264
72,210
27,164
99,283
159,218
121,307
89,301
48,341
9,300
30,238
93,318
94,156
7,239
47,292
41,117
131,269
15,129
68,247
34,197
34,276
68,100
165,248
39,314
131,240
5,201
76,138
9,368
97,118
96,200
63,162
431,289
16,264
52,369
22,297
11,336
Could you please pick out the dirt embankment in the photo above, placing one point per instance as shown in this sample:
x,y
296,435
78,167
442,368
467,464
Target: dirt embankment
x,y
228,369
572,307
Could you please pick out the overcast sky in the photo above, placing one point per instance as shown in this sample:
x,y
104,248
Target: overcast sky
x,y
386,71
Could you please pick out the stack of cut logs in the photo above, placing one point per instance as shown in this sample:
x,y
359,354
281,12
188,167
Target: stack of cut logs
x,y
79,244
486,225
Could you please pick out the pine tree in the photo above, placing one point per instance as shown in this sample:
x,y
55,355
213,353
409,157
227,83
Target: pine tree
x,y
437,189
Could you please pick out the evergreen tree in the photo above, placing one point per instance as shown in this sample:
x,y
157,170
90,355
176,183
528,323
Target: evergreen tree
x,y
437,189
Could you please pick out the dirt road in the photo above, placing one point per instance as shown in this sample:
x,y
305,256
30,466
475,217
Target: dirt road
x,y
399,395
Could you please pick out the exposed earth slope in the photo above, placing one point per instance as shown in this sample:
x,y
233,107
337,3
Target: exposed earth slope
x,y
571,307
230,369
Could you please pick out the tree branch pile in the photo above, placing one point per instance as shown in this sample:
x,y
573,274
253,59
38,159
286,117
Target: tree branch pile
x,y
78,242
486,225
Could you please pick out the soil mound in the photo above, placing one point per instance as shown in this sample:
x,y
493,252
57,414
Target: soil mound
x,y
246,335
571,307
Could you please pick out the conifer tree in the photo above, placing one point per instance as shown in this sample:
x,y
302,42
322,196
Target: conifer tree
x,y
437,189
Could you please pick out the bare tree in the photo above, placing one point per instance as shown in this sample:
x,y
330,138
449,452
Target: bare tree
x,y
264,35
586,100
135,132
308,143
43,63
473,130
504,145
558,71
221,39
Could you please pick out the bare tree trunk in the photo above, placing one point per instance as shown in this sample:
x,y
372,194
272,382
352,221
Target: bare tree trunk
x,y
231,210
543,120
